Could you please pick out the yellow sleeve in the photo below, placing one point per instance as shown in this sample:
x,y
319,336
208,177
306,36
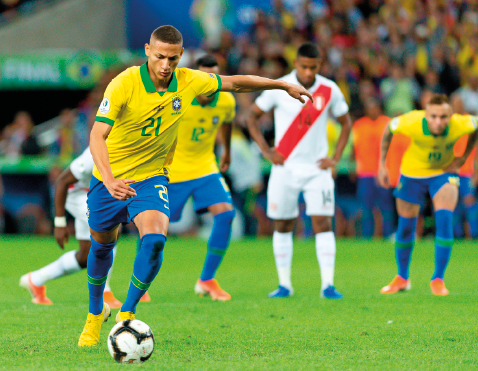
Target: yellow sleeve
x,y
205,83
231,114
113,102
468,123
402,123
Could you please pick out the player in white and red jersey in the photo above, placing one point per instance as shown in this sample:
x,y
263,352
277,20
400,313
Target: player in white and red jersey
x,y
71,190
301,164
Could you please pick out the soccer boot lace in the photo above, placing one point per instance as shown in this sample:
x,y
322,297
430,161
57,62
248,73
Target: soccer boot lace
x,y
91,332
398,284
331,293
110,299
281,292
211,287
438,287
121,316
38,293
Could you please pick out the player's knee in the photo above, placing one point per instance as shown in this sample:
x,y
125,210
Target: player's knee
x,y
152,245
406,228
322,224
101,251
225,218
82,258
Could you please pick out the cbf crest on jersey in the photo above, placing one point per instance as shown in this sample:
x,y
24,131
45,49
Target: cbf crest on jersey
x,y
215,120
177,103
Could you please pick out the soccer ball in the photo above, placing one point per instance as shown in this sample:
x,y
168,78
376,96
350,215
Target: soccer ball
x,y
131,341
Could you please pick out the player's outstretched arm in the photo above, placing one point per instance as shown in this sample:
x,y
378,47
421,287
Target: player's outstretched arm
x,y
226,132
383,178
249,84
346,123
118,188
252,122
458,162
65,179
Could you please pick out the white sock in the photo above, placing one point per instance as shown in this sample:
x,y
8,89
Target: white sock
x,y
107,284
282,245
65,264
325,248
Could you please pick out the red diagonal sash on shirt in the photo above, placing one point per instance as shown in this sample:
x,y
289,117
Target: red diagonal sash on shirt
x,y
304,120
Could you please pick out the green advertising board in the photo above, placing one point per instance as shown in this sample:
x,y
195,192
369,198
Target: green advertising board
x,y
60,69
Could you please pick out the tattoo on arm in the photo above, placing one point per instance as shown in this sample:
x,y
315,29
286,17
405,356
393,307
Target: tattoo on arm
x,y
386,140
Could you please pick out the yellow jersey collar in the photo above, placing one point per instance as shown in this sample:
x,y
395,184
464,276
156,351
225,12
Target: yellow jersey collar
x,y
212,103
149,86
426,130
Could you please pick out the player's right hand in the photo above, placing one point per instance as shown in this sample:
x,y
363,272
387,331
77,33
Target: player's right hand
x,y
61,236
296,91
119,188
383,178
273,156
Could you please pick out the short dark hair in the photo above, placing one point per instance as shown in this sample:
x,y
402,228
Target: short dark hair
x,y
206,61
168,35
438,99
309,50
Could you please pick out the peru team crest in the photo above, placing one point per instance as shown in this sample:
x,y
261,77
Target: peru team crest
x,y
177,104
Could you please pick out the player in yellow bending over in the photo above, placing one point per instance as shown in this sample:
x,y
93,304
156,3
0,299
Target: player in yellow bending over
x,y
429,165
132,142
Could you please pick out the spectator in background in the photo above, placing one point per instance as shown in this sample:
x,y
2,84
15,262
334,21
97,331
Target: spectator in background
x,y
467,208
399,93
469,94
367,135
19,137
246,178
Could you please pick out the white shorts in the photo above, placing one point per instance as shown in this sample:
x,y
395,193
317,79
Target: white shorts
x,y
77,207
285,186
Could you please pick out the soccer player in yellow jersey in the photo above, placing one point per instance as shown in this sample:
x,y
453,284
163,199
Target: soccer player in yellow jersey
x,y
429,165
132,142
194,173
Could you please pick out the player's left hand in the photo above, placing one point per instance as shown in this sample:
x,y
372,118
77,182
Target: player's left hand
x,y
224,162
61,236
326,163
296,91
454,167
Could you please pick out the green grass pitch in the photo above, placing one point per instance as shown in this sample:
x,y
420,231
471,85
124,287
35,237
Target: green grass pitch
x,y
363,331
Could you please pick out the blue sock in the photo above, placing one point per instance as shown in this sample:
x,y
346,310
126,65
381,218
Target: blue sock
x,y
404,244
100,260
472,218
367,223
443,241
146,267
217,244
387,228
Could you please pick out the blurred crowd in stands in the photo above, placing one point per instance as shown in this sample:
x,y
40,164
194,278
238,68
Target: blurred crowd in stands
x,y
387,56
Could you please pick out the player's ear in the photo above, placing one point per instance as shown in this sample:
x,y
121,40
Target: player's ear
x,y
182,51
146,49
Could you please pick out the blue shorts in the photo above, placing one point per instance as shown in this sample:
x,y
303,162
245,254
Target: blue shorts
x,y
414,190
466,188
106,212
206,191
370,194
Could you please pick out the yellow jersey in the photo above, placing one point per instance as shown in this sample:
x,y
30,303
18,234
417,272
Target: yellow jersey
x,y
194,156
429,154
145,122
